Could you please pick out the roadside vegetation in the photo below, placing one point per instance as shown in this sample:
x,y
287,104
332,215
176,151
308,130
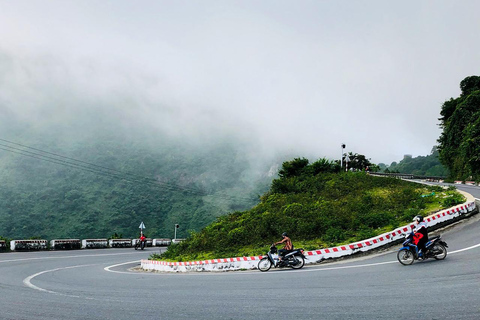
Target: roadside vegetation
x,y
459,143
421,166
318,207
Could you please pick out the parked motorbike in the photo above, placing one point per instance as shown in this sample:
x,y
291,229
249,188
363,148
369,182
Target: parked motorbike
x,y
294,259
435,248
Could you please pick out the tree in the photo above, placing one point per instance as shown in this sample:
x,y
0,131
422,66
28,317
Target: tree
x,y
422,165
358,161
324,165
459,147
293,168
469,85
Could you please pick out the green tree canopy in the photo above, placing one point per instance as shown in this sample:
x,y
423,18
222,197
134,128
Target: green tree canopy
x,y
459,147
422,165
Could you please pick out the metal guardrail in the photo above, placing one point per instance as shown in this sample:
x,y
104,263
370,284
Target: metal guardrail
x,y
72,244
408,176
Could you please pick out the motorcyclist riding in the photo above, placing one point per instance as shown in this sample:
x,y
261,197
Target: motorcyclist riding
x,y
288,246
420,236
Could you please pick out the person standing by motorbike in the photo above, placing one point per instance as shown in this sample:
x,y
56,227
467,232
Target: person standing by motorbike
x,y
287,246
420,236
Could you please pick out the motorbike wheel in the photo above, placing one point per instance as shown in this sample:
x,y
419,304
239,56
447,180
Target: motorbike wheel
x,y
439,251
142,245
405,257
136,245
264,264
300,264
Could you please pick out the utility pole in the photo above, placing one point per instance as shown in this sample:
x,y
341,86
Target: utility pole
x,y
176,227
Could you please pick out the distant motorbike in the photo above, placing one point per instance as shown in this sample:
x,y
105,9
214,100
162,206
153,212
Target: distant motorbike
x,y
140,244
435,248
294,259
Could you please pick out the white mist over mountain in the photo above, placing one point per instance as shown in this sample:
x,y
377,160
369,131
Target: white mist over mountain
x,y
272,76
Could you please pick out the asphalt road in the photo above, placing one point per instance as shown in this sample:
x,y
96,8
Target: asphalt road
x,y
97,284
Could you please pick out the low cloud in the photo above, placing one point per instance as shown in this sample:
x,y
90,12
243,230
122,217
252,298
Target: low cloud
x,y
280,78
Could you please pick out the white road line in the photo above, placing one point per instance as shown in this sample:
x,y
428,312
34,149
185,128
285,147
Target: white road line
x,y
64,257
121,264
465,249
28,283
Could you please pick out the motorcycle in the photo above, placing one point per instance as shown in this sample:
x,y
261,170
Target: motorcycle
x,y
294,259
140,244
435,248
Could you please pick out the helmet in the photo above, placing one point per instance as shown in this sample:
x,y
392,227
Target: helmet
x,y
418,218
284,234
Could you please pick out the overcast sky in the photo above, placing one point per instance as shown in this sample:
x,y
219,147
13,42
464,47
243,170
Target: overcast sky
x,y
297,76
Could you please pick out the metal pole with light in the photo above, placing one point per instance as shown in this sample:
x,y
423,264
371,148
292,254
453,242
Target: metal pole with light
x,y
176,227
341,158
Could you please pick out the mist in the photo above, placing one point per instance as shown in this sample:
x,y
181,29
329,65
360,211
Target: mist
x,y
271,78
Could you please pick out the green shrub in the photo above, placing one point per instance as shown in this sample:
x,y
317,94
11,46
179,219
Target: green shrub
x,y
453,200
334,235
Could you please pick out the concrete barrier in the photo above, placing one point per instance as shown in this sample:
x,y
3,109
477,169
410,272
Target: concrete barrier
x,y
73,244
120,243
28,245
65,244
94,243
161,242
248,263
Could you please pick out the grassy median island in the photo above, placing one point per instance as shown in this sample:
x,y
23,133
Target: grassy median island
x,y
318,209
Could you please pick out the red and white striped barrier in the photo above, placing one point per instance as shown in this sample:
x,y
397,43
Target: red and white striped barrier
x,y
468,183
227,264
248,263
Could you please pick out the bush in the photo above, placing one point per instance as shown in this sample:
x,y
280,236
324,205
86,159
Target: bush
x,y
334,235
7,244
453,200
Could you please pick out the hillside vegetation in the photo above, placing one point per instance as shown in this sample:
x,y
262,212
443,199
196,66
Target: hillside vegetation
x,y
459,143
421,166
318,207
162,185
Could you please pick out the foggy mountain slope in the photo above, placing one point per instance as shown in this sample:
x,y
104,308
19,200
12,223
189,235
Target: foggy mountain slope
x,y
164,186
169,165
